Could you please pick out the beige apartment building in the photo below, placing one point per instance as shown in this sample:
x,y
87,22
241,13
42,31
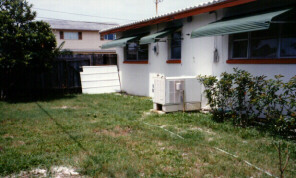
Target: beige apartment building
x,y
82,37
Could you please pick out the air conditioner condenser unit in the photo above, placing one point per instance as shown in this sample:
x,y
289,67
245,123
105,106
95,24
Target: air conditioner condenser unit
x,y
177,94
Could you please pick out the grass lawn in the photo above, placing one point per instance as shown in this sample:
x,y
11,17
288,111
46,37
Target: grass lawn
x,y
115,136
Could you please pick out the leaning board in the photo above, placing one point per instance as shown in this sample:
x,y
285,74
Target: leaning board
x,y
99,79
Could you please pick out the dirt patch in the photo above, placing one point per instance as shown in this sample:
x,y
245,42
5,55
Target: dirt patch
x,y
18,143
56,171
195,170
210,139
62,171
66,107
159,143
116,132
7,136
208,131
168,169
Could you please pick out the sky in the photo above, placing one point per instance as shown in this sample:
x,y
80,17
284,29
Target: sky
x,y
114,11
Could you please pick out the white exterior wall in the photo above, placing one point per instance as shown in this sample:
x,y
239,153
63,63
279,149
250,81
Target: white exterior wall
x,y
197,58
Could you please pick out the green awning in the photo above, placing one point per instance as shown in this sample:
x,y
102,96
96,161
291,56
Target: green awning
x,y
155,37
118,43
239,25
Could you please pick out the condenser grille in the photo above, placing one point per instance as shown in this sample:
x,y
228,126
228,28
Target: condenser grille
x,y
174,94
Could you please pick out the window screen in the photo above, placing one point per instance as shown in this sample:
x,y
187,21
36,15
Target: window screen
x,y
71,36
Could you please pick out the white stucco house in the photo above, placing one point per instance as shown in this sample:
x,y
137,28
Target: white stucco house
x,y
255,35
82,37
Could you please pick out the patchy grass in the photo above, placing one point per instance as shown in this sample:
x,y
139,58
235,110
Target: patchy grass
x,y
109,136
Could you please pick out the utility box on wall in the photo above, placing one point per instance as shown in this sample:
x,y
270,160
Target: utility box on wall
x,y
177,93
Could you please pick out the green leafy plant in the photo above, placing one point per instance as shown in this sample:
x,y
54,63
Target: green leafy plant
x,y
246,91
219,94
290,93
279,103
255,90
26,45
245,98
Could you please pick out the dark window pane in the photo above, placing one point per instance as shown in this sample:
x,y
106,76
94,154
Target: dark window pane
x,y
289,30
288,40
240,49
264,43
273,31
176,41
264,48
288,47
132,50
110,37
176,53
240,36
143,52
176,45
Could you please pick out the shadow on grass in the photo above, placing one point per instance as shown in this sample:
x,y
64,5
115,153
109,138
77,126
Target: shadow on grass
x,y
62,128
48,97
94,163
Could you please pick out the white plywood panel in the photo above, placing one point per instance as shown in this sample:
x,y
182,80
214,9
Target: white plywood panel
x,y
99,79
98,76
99,69
99,83
101,90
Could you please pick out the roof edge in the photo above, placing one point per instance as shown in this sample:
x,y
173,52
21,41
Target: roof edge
x,y
101,23
202,8
74,29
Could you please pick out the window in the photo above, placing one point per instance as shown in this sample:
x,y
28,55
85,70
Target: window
x,y
136,52
264,44
110,37
71,35
175,51
288,41
277,42
240,45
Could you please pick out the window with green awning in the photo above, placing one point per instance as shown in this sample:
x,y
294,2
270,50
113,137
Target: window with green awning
x,y
238,25
156,36
118,43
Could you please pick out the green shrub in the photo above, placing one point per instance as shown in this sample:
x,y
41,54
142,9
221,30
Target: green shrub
x,y
217,95
243,98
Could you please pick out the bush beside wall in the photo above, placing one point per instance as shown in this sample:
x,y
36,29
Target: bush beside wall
x,y
246,99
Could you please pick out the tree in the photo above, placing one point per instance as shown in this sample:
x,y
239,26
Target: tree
x,y
25,44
